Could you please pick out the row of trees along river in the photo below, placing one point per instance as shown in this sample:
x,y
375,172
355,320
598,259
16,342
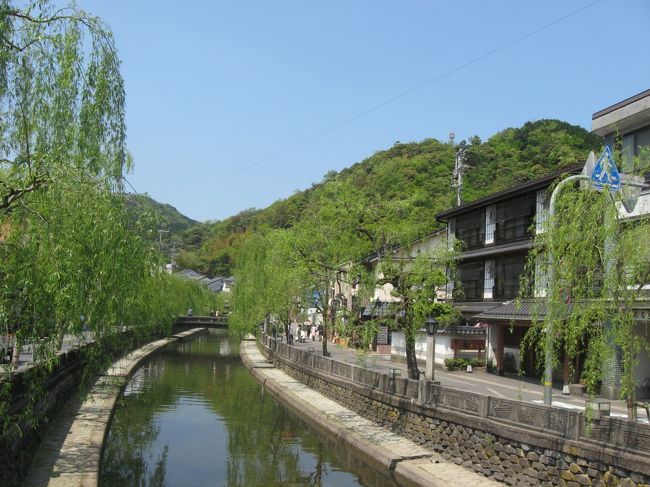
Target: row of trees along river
x,y
76,262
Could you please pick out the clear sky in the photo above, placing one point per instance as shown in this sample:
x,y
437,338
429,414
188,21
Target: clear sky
x,y
235,104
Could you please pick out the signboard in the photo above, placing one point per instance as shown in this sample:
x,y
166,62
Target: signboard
x,y
463,344
605,172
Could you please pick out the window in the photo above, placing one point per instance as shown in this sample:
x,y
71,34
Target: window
x,y
514,218
469,276
508,270
637,144
470,229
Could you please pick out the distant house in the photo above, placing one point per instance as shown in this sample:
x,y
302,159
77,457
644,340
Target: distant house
x,y
220,284
214,284
190,274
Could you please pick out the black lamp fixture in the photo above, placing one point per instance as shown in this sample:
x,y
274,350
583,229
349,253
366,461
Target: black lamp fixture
x,y
432,325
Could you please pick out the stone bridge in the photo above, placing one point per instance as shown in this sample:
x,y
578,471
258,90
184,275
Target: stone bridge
x,y
202,321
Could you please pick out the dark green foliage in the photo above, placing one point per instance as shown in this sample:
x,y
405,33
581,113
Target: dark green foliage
x,y
462,363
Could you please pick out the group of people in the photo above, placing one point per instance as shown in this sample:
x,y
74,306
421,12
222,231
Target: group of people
x,y
305,332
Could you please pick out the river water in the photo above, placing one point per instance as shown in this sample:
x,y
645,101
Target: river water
x,y
192,415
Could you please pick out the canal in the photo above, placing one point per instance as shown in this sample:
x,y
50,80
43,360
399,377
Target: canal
x,y
192,415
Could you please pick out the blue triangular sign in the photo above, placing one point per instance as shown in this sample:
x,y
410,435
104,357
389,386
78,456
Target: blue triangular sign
x,y
605,172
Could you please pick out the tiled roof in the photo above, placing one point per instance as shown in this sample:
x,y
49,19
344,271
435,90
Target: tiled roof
x,y
512,310
380,309
475,307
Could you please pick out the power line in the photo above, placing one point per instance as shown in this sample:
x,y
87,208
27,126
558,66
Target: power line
x,y
396,97
130,185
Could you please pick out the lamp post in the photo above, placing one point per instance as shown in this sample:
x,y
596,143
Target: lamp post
x,y
431,325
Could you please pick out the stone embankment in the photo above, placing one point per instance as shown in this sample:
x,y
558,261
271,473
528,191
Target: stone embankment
x,y
387,452
70,453
513,442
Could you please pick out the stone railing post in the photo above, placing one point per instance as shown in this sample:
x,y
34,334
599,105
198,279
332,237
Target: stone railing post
x,y
484,408
574,425
423,391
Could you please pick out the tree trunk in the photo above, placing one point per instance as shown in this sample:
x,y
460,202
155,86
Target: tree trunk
x,y
16,353
287,333
327,318
411,360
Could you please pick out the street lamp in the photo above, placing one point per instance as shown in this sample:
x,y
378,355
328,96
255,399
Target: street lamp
x,y
432,326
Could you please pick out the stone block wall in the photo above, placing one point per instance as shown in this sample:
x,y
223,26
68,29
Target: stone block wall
x,y
17,448
516,443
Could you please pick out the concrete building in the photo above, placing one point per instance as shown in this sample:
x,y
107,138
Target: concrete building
x,y
626,126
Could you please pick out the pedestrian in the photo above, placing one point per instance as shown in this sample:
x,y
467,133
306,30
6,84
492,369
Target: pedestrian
x,y
189,311
320,332
313,333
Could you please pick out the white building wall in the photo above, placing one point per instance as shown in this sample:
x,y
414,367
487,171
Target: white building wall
x,y
490,223
443,347
488,285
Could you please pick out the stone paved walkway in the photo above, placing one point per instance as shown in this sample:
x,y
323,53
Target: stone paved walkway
x,y
410,463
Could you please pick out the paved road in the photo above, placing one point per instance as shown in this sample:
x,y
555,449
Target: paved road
x,y
509,387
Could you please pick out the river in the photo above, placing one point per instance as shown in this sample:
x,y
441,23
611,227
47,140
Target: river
x,y
192,415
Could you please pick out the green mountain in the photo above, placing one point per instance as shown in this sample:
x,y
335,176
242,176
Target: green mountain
x,y
171,218
418,170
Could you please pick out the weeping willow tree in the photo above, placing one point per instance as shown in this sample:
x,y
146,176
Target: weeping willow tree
x,y
415,283
269,286
77,265
601,263
61,98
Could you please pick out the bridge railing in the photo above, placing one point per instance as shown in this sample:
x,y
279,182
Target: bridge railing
x,y
217,321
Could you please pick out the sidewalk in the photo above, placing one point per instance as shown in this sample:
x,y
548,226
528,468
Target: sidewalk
x,y
409,463
509,387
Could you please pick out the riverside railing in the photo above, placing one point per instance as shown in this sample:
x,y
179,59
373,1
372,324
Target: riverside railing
x,y
431,397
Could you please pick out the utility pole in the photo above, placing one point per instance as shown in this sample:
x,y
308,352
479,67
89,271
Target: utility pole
x,y
459,167
160,232
172,256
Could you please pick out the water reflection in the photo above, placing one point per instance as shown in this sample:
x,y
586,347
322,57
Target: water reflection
x,y
192,415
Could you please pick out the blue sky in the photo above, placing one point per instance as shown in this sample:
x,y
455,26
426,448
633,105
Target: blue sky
x,y
214,87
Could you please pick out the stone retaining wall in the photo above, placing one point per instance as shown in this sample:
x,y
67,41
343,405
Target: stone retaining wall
x,y
18,450
517,443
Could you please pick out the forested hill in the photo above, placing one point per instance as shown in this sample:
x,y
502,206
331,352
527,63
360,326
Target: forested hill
x,y
420,171
170,218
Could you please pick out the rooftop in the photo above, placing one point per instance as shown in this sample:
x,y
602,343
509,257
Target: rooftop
x,y
507,193
625,116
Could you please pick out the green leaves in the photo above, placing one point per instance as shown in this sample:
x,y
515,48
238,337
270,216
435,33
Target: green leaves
x,y
61,98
